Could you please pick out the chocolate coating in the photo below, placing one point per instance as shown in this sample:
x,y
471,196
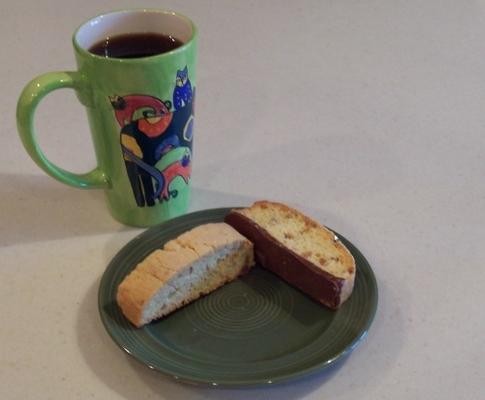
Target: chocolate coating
x,y
294,269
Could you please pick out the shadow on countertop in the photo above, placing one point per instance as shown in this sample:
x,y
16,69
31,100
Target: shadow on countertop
x,y
37,208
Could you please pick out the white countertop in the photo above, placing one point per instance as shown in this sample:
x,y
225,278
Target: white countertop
x,y
369,116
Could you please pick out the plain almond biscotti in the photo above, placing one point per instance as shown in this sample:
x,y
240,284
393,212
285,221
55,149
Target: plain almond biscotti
x,y
188,267
298,249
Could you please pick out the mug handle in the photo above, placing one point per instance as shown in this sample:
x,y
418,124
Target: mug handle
x,y
32,94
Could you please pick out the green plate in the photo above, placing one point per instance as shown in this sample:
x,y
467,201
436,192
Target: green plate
x,y
257,330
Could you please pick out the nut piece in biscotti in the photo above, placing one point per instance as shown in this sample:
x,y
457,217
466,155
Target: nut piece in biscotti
x,y
194,264
298,249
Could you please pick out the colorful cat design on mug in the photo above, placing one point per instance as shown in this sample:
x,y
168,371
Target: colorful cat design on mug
x,y
150,132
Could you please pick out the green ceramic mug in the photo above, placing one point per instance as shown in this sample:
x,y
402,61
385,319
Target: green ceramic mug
x,y
140,111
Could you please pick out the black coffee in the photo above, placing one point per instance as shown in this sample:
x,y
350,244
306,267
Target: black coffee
x,y
135,45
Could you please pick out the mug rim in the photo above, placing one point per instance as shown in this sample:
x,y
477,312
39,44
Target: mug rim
x,y
81,50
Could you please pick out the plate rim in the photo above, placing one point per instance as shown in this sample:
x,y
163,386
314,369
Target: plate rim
x,y
239,383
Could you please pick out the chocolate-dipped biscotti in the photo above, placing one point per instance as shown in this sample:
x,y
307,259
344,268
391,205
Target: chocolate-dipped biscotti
x,y
298,249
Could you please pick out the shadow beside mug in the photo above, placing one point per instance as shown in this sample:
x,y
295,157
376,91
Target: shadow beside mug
x,y
36,208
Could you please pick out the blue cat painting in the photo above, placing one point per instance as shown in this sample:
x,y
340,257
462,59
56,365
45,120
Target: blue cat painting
x,y
182,94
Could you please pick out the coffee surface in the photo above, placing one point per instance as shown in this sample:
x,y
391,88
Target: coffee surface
x,y
135,45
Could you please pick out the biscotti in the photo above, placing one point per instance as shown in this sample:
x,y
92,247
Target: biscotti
x,y
188,267
298,249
